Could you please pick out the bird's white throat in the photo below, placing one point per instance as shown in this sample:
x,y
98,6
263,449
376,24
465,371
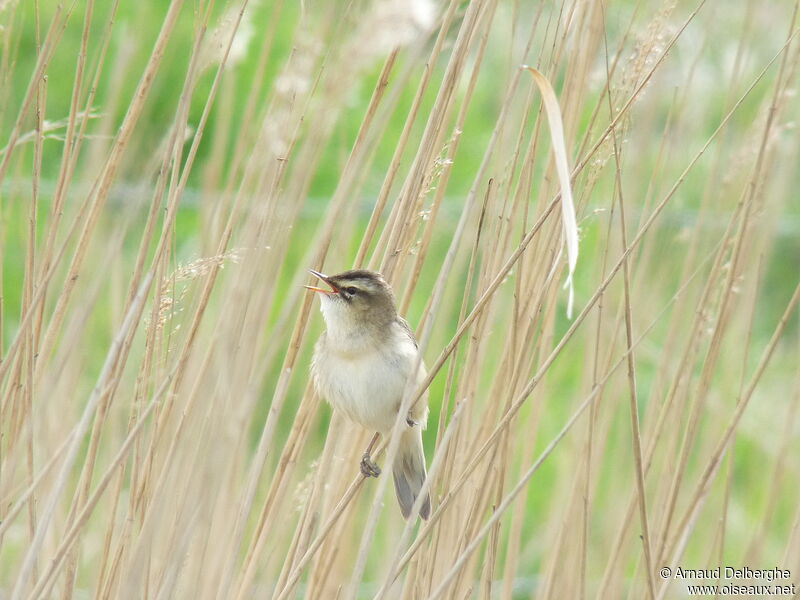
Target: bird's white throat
x,y
346,333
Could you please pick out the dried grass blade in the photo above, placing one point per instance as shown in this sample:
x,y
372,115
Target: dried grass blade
x,y
555,122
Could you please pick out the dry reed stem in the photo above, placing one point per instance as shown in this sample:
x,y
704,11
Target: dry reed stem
x,y
131,320
590,399
72,533
504,422
713,465
634,398
709,363
235,483
631,363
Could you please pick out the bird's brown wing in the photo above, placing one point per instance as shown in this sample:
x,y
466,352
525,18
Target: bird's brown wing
x,y
407,328
419,412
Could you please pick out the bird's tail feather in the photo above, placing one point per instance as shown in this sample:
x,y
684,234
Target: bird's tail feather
x,y
409,473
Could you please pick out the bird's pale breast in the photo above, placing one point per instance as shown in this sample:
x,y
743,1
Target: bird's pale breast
x,y
366,386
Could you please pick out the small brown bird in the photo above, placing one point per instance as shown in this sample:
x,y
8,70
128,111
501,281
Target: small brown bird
x,y
361,365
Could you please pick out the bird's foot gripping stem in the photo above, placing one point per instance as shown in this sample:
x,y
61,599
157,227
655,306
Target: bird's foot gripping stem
x,y
368,466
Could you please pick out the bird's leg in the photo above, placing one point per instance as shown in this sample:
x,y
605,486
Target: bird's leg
x,y
368,467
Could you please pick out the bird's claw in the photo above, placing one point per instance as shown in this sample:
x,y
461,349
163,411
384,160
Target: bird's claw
x,y
368,467
411,422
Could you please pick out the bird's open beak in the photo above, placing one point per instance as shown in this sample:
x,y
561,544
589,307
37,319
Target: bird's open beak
x,y
333,290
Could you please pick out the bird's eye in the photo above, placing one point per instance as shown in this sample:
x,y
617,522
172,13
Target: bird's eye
x,y
351,290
